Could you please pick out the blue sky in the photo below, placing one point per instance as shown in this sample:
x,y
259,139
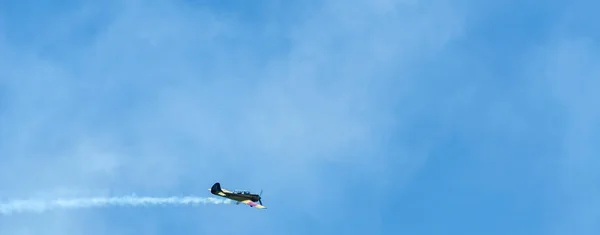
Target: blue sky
x,y
354,117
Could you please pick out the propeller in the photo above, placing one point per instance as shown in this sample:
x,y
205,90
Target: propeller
x,y
260,197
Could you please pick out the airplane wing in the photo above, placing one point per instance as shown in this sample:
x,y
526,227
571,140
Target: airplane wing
x,y
253,204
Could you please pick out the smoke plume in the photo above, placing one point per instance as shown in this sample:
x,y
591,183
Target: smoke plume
x,y
40,206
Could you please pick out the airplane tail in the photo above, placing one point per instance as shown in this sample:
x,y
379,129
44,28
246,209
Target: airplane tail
x,y
216,188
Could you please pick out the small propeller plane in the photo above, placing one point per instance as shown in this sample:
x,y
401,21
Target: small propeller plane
x,y
241,196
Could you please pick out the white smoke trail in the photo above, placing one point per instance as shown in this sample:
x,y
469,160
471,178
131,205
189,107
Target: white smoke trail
x,y
39,206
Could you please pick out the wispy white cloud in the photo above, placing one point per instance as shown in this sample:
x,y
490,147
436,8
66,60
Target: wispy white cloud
x,y
159,97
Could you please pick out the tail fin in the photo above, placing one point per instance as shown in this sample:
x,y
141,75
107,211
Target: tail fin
x,y
216,188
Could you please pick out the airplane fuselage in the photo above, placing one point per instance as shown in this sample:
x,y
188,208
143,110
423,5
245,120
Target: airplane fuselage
x,y
242,197
217,190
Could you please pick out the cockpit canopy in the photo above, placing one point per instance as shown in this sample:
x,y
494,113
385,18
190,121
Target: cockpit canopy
x,y
242,191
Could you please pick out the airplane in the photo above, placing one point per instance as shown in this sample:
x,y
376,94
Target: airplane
x,y
241,196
